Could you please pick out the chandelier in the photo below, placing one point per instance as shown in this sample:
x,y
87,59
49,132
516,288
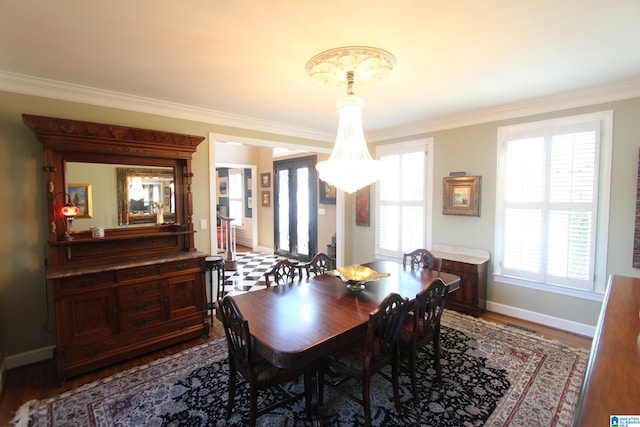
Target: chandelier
x,y
350,166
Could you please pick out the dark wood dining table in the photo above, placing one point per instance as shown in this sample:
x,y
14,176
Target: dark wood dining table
x,y
295,324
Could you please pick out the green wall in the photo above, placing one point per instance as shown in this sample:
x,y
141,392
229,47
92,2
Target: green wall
x,y
25,312
474,149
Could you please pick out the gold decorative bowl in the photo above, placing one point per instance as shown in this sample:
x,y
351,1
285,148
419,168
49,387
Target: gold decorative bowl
x,y
356,276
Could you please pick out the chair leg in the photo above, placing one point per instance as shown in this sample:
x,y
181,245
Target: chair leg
x,y
436,355
308,391
253,405
366,399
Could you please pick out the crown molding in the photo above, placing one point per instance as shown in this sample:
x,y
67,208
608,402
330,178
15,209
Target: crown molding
x,y
617,91
36,86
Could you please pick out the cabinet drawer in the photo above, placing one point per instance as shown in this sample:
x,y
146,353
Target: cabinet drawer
x,y
86,281
140,321
179,267
137,273
139,291
139,305
453,266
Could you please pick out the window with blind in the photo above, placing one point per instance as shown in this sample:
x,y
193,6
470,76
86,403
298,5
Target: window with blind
x,y
549,186
403,217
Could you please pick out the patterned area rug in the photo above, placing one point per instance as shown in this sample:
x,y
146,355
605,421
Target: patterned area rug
x,y
492,376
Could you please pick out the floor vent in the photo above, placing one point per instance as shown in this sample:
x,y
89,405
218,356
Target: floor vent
x,y
522,328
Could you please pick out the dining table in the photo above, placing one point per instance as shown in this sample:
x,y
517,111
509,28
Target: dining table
x,y
295,324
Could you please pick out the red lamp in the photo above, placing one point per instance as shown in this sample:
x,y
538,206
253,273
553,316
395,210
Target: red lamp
x,y
69,211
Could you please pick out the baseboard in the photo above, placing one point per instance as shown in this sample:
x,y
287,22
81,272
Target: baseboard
x,y
543,319
29,357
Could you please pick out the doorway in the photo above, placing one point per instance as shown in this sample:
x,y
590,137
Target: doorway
x,y
295,207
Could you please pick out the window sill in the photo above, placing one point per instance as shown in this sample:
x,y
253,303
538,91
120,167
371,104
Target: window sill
x,y
545,287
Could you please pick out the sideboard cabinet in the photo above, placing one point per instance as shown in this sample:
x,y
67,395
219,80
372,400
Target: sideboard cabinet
x,y
471,267
122,288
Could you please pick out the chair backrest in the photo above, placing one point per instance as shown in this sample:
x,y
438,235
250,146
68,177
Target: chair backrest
x,y
428,308
383,328
319,264
283,272
236,329
422,258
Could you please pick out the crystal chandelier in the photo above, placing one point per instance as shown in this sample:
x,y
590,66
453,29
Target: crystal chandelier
x,y
350,166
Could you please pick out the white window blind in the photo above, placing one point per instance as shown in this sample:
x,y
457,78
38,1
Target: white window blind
x,y
547,201
401,201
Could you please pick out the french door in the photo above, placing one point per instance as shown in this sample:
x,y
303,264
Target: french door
x,y
295,206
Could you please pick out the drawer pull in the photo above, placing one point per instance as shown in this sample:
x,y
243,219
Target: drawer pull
x,y
141,322
181,267
138,274
87,282
91,353
139,291
141,306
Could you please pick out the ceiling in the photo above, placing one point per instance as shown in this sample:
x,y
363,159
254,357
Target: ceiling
x,y
244,60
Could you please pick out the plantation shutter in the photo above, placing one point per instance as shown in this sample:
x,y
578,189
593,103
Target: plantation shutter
x,y
550,204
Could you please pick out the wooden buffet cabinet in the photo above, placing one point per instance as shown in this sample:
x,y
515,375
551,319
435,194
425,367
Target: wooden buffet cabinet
x,y
471,266
137,288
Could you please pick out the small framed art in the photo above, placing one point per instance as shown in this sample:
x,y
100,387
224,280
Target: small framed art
x,y
266,198
80,195
327,193
265,179
461,195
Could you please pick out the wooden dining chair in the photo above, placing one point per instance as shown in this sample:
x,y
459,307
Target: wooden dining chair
x,y
284,271
258,372
370,354
319,264
422,258
422,326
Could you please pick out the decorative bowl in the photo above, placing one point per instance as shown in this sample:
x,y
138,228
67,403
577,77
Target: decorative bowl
x,y
356,276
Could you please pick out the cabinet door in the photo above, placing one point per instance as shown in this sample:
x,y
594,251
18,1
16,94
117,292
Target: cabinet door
x,y
184,295
87,317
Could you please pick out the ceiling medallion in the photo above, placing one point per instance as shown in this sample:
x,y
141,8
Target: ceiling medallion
x,y
369,65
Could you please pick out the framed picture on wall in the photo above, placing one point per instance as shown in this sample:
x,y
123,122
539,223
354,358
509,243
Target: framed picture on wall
x,y
363,203
265,179
461,195
80,195
327,193
266,198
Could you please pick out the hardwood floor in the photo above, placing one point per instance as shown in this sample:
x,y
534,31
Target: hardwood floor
x,y
37,381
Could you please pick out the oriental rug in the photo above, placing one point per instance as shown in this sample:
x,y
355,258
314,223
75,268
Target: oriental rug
x,y
492,376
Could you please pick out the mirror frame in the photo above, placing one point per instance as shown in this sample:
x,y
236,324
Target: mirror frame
x,y
124,215
66,140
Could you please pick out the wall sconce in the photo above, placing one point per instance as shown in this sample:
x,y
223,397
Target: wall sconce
x,y
68,211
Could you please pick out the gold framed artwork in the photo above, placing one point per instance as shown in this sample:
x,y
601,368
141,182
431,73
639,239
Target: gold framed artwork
x,y
461,195
266,198
265,179
80,195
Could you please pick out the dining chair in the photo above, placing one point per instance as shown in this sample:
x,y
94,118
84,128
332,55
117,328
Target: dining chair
x,y
257,371
284,271
369,355
422,326
422,258
319,264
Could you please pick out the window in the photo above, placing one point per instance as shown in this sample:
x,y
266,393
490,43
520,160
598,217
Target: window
x,y
236,196
403,218
551,197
